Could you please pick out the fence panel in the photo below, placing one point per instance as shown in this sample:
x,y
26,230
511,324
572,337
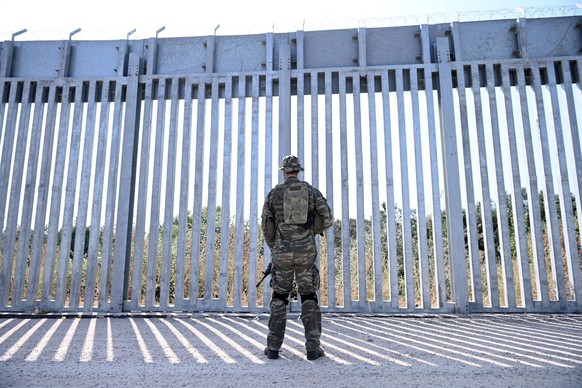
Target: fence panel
x,y
56,175
454,180
510,174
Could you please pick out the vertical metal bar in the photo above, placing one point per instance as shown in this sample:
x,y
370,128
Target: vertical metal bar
x,y
269,139
83,200
209,291
406,221
284,100
56,186
376,230
517,205
567,216
155,205
269,43
127,173
6,161
457,39
198,189
425,43
63,282
300,134
574,260
65,59
179,299
551,212
362,55
361,242
241,168
452,182
314,168
486,211
268,169
346,240
3,84
6,61
422,243
522,34
437,229
106,292
390,216
314,129
28,201
14,199
300,49
226,194
142,199
532,189
253,211
470,220
210,53
503,248
329,151
167,257
152,56
98,181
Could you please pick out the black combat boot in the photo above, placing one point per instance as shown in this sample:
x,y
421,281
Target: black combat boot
x,y
315,354
271,354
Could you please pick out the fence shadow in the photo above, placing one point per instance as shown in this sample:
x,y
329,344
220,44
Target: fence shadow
x,y
206,343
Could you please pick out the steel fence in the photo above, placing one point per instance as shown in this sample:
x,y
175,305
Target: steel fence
x,y
133,173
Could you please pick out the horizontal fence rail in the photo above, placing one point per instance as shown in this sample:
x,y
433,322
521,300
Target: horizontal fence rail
x,y
454,180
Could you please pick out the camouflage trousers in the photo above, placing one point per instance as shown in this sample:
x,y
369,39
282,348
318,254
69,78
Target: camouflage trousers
x,y
298,266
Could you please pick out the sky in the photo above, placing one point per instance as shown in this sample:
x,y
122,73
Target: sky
x,y
139,19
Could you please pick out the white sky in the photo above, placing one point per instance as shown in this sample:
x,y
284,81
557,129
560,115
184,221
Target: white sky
x,y
114,19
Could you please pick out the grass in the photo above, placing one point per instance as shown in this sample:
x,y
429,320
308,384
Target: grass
x,y
164,279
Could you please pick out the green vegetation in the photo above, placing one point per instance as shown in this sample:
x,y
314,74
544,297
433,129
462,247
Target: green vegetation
x,y
187,274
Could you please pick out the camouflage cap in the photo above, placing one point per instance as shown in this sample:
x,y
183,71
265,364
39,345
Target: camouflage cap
x,y
291,163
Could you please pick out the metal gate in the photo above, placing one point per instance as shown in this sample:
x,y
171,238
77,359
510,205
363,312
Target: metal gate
x,y
132,173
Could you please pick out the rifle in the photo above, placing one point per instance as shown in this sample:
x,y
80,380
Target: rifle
x,y
266,273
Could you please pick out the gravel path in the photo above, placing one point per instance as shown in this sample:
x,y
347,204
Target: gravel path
x,y
226,351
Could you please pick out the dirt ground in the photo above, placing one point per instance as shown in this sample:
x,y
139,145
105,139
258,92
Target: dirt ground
x,y
227,351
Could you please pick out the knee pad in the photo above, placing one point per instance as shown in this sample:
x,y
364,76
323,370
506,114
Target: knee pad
x,y
305,297
281,297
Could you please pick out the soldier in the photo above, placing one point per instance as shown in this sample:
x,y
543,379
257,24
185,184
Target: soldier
x,y
293,213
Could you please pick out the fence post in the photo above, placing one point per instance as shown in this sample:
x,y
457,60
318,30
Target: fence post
x,y
124,224
284,101
455,232
6,58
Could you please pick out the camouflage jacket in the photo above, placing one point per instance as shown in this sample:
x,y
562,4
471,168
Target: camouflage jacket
x,y
290,237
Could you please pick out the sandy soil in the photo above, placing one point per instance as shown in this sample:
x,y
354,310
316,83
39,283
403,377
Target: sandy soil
x,y
227,351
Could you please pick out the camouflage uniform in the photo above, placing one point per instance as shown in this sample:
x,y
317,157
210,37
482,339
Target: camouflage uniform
x,y
294,253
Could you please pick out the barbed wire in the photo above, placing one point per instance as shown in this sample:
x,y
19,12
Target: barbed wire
x,y
319,25
448,17
305,24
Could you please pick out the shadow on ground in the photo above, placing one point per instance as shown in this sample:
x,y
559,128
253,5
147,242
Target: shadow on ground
x,y
226,350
